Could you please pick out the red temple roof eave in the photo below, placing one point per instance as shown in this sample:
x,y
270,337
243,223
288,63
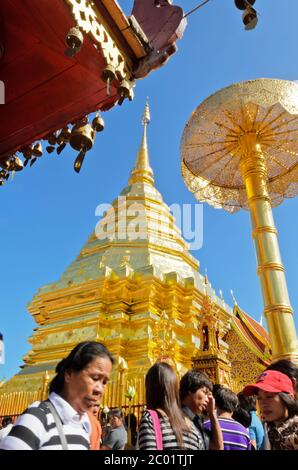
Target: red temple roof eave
x,y
255,327
253,346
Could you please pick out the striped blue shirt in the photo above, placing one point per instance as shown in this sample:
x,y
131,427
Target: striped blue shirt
x,y
235,436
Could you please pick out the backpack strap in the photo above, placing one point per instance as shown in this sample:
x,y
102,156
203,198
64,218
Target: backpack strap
x,y
157,429
47,404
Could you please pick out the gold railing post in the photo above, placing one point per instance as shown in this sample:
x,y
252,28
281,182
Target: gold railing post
x,y
44,392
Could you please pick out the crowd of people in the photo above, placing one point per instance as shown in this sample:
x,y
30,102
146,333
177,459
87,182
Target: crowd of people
x,y
192,415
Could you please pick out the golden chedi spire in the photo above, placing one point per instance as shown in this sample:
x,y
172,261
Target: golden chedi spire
x,y
142,171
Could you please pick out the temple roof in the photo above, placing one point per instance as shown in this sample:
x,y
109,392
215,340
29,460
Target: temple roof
x,y
86,57
252,333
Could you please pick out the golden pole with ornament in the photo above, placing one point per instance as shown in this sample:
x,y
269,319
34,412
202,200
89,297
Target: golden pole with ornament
x,y
240,150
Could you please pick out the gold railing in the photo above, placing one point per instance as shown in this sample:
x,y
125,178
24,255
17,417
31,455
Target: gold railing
x,y
137,410
114,395
14,403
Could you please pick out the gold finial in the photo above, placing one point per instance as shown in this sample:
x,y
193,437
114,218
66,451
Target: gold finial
x,y
146,114
206,277
233,297
142,170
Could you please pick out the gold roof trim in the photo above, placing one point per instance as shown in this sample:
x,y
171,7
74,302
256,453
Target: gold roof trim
x,y
248,343
125,27
244,317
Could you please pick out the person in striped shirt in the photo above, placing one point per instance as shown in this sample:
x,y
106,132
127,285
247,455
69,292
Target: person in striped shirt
x,y
235,436
178,432
62,421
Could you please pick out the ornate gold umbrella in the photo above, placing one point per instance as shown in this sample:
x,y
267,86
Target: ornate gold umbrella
x,y
240,149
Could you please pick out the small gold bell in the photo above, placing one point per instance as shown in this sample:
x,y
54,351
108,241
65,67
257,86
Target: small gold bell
x,y
2,174
98,123
5,164
37,150
65,134
62,139
74,41
51,138
16,163
108,76
82,137
125,91
27,153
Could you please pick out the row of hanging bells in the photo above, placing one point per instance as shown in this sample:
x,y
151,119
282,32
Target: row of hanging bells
x,y
11,164
74,41
125,89
81,138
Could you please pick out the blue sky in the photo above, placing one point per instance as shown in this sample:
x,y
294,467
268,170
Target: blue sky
x,y
48,211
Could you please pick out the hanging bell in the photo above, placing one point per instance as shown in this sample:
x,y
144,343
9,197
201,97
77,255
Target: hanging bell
x,y
5,164
51,138
3,174
65,134
125,91
37,150
74,41
108,76
62,139
27,152
98,123
82,137
16,163
242,4
79,161
1,182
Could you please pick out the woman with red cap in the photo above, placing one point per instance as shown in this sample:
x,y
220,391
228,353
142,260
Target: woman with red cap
x,y
275,394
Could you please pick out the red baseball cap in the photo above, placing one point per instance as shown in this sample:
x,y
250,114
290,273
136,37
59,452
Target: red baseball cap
x,y
270,381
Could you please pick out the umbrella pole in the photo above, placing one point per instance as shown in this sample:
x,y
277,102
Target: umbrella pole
x,y
277,308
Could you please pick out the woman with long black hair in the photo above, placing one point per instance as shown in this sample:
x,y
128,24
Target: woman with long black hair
x,y
162,397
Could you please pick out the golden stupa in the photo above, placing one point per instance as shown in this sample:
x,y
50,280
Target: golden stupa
x,y
144,298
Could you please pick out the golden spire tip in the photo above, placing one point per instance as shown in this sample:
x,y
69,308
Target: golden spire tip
x,y
233,297
146,116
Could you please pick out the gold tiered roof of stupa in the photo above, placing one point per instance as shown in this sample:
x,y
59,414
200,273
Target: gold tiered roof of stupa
x,y
143,297
113,248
